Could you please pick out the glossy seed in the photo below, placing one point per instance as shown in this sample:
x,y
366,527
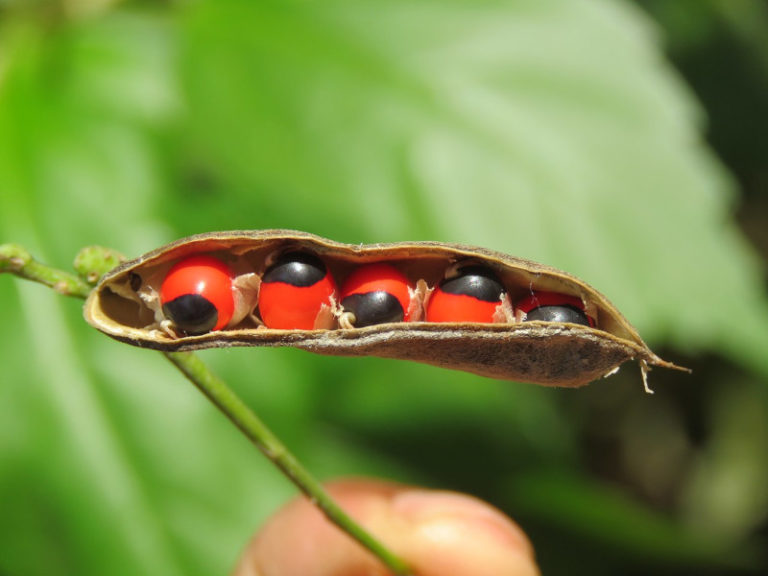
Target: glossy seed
x,y
554,307
472,296
569,314
194,286
375,294
294,290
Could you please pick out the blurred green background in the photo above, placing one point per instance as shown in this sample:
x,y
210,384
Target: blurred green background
x,y
622,141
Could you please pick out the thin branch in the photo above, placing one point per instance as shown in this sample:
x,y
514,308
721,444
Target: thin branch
x,y
91,263
17,260
249,424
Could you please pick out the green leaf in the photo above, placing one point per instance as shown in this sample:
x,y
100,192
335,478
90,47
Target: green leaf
x,y
550,129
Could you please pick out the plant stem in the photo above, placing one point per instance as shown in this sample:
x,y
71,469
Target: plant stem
x,y
91,265
249,424
18,261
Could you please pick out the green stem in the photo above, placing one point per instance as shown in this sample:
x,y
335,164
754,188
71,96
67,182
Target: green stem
x,y
16,260
249,424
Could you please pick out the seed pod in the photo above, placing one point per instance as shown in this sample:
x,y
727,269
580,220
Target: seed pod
x,y
126,306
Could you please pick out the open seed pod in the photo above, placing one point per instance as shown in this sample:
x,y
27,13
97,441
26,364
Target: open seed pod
x,y
128,305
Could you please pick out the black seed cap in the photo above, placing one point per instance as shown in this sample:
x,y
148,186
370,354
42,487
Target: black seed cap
x,y
192,314
558,314
373,308
299,269
476,281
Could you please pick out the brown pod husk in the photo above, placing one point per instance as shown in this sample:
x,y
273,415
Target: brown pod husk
x,y
124,305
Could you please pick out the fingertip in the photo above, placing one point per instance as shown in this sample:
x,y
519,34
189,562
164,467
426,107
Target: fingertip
x,y
437,507
460,534
435,532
